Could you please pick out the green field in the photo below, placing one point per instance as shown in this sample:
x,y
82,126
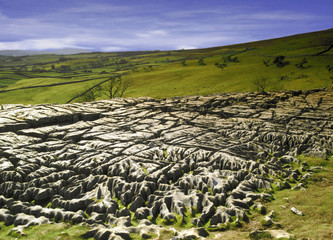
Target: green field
x,y
161,74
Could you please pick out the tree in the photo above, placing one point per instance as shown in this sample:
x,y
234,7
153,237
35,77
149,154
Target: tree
x,y
64,69
122,61
230,59
279,61
90,94
201,62
112,87
261,84
148,69
266,62
115,87
38,69
235,60
301,64
220,65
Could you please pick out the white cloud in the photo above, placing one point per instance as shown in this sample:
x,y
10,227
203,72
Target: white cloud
x,y
150,34
3,17
281,16
97,8
108,27
185,47
39,44
193,13
112,49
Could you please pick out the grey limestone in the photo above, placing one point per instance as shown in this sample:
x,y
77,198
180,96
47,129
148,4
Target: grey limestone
x,y
101,163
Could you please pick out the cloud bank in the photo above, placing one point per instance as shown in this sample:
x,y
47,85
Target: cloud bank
x,y
105,26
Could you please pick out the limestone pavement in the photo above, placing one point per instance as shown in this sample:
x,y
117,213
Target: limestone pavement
x,y
123,165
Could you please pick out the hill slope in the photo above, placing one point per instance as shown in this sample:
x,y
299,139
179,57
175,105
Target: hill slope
x,y
291,62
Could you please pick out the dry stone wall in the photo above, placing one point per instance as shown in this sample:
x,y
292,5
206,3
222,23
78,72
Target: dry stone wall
x,y
125,165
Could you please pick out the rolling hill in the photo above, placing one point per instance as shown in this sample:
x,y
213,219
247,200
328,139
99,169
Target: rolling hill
x,y
303,61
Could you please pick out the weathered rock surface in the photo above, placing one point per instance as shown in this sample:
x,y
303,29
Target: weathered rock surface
x,y
149,158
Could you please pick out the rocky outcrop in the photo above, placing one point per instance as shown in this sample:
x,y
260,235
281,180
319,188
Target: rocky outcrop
x,y
109,163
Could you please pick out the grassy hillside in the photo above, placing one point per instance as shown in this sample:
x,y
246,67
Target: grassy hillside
x,y
162,74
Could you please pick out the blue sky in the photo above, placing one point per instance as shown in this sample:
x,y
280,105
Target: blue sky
x,y
110,25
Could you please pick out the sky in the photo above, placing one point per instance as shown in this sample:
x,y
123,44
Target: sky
x,y
130,25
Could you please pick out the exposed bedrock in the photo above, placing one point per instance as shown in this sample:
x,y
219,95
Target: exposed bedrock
x,y
134,163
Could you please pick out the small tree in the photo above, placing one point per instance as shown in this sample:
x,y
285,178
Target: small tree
x,y
279,61
230,59
261,84
301,64
115,87
90,94
266,62
87,97
220,65
112,87
64,69
201,62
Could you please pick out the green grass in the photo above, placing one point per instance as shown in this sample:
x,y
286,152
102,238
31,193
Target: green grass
x,y
316,202
120,204
63,231
168,76
56,94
